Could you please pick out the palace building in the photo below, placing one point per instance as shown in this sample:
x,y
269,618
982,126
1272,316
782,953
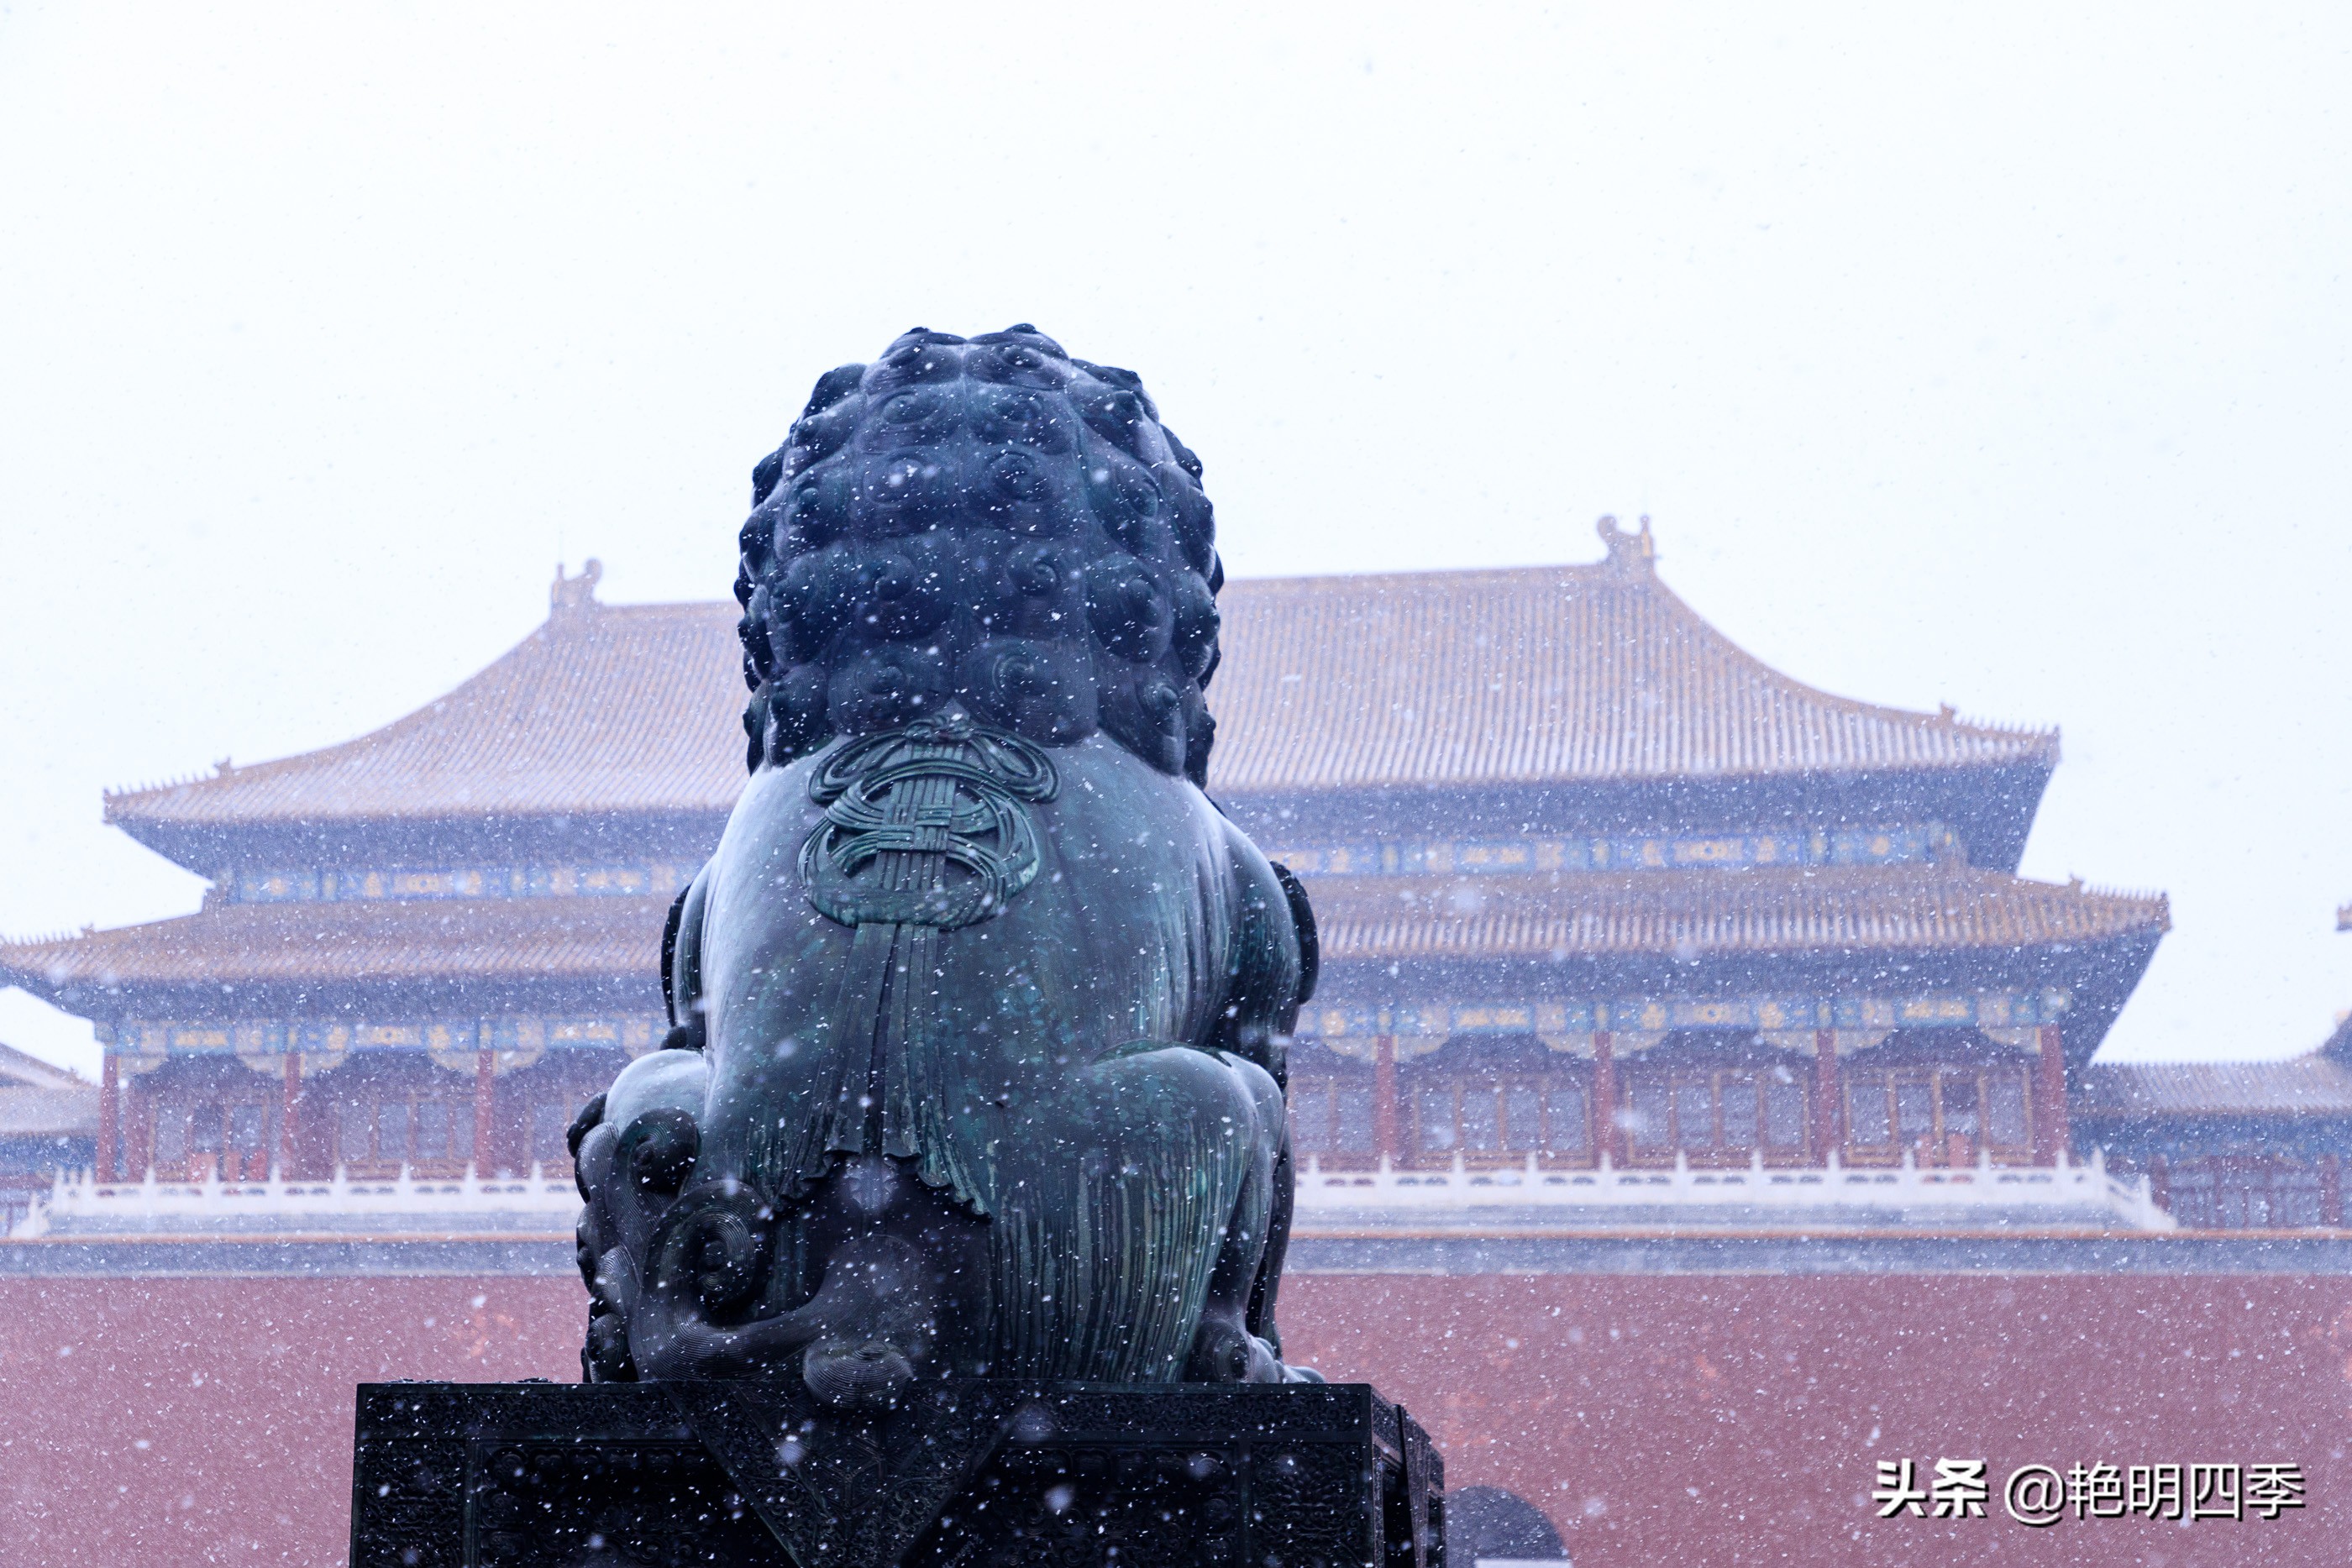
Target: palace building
x,y
1693,1086
2255,1145
1596,889
49,1125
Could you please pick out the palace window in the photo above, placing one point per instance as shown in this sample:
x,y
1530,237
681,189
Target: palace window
x,y
204,1138
1725,1112
2244,1195
401,1130
1948,1112
1331,1116
2006,1124
550,1123
1518,1115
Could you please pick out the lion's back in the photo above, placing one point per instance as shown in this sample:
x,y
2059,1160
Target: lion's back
x,y
1122,935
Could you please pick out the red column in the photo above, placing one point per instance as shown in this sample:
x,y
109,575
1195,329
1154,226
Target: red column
x,y
1826,1095
138,1132
2050,1135
2160,1183
2331,1192
109,1120
485,1102
1386,1144
1604,1100
289,1098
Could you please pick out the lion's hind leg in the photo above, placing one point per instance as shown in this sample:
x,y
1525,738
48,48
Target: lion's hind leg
x,y
1115,1204
1223,1348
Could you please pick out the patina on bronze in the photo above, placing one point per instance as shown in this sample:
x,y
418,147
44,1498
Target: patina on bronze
x,y
944,1229
980,1004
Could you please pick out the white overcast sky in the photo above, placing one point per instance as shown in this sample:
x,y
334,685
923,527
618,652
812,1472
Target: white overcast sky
x,y
1995,356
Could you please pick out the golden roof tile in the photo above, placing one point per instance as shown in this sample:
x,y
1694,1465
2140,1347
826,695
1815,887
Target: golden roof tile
x,y
1691,914
1680,913
616,709
2306,1085
1448,678
1577,672
359,943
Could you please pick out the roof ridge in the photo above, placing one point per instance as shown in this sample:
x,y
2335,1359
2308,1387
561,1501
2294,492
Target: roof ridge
x,y
1317,578
596,607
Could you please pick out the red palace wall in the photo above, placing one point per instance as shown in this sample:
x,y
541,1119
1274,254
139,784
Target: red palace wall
x,y
171,1422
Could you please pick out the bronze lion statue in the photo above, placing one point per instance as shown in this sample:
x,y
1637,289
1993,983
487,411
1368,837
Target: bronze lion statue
x,y
979,1005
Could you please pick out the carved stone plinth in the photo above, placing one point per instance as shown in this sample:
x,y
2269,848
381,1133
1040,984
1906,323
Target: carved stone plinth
x,y
958,1474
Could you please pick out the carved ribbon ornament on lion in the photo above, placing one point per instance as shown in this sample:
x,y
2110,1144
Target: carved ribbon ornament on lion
x,y
904,806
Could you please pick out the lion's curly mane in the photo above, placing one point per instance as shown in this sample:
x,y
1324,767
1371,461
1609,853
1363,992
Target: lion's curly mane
x,y
988,521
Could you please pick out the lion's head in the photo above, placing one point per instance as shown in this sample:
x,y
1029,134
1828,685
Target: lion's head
x,y
984,521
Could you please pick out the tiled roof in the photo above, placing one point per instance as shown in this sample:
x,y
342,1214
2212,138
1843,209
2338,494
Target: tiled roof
x,y
2303,1085
1452,678
1677,913
606,708
1559,673
40,1101
246,944
48,1113
1694,913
